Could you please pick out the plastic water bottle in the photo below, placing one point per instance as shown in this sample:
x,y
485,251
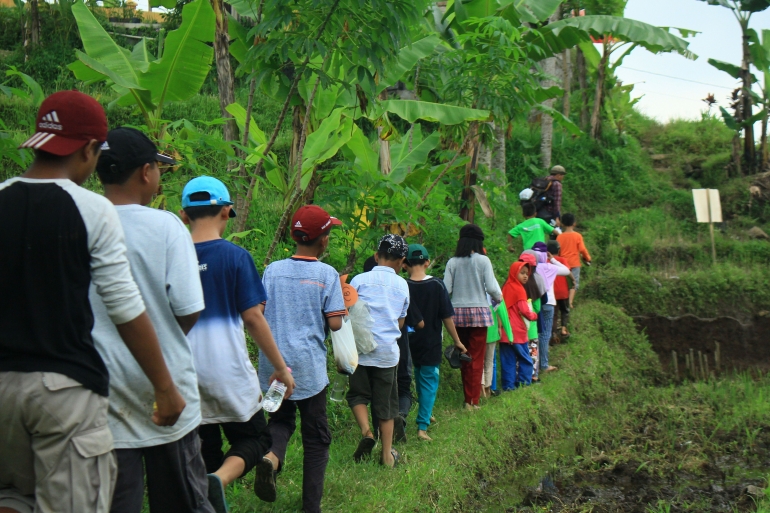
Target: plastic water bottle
x,y
274,396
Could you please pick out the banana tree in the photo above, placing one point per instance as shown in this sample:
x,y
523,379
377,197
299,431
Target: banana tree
x,y
142,80
616,34
744,120
743,10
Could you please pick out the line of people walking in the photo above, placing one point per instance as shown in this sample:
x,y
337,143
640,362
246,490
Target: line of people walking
x,y
124,358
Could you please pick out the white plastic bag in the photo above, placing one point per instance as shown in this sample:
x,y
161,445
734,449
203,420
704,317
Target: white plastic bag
x,y
363,324
344,347
526,194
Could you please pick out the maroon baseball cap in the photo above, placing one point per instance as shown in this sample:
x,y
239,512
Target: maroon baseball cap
x,y
312,221
66,121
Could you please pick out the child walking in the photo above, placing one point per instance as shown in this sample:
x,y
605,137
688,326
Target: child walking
x,y
230,393
469,277
532,229
375,379
306,301
515,361
561,292
535,287
572,248
165,267
430,296
549,268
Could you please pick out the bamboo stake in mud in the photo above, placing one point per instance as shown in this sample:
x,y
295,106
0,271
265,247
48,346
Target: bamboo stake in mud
x,y
687,365
718,357
675,364
692,364
706,365
702,368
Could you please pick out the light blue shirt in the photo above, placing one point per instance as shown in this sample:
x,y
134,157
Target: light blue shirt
x,y
388,297
303,293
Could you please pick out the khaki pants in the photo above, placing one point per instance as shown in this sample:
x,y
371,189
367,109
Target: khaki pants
x,y
489,365
55,445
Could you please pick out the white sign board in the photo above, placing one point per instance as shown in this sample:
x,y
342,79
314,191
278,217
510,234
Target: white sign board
x,y
708,208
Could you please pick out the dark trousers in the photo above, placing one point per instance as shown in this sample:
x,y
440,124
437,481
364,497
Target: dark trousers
x,y
316,438
404,377
176,478
249,440
563,305
475,340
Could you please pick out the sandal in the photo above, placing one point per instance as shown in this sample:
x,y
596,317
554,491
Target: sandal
x,y
216,494
264,480
364,448
396,458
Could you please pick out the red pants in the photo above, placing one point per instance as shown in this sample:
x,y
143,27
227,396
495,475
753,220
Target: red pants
x,y
475,341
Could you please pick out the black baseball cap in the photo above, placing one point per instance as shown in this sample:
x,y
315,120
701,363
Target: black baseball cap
x,y
127,149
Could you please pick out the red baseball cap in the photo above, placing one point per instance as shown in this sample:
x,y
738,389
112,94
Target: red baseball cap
x,y
66,121
312,221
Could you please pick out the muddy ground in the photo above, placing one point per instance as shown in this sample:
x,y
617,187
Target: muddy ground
x,y
623,487
742,346
639,472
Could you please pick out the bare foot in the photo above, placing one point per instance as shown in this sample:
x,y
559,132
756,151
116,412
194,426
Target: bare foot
x,y
551,369
432,419
423,435
468,407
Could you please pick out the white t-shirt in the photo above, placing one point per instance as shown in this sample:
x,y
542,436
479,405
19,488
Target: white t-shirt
x,y
165,267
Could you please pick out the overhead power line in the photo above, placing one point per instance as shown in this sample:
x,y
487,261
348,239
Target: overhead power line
x,y
679,78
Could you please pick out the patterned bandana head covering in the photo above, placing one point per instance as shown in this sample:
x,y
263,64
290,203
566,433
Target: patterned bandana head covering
x,y
393,245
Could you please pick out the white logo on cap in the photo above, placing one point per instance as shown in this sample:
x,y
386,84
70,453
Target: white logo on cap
x,y
105,146
297,225
50,120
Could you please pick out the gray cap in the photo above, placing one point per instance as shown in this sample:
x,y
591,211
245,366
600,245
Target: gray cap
x,y
558,170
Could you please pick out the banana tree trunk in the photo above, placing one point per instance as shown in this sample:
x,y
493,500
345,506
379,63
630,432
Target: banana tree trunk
x,y
386,165
34,32
499,176
596,122
546,121
580,62
225,81
763,150
749,155
468,198
566,81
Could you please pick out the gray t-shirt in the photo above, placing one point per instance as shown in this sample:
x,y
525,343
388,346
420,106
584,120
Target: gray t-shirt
x,y
165,267
302,293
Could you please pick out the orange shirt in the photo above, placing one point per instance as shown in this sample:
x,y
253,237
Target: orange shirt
x,y
572,247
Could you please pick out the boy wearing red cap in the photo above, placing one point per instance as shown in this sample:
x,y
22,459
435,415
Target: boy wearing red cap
x,y
305,301
56,450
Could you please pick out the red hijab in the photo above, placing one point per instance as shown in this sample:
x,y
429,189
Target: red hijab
x,y
513,290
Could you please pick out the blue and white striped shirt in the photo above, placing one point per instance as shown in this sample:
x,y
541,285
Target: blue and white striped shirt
x,y
388,297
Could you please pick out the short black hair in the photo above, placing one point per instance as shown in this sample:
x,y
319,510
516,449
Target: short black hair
x,y
195,213
468,245
309,243
44,156
114,175
384,255
416,261
568,220
553,247
528,209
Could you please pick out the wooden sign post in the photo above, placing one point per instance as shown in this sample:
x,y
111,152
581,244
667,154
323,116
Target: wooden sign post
x,y
708,209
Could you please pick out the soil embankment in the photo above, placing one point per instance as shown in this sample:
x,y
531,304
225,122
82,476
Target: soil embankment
x,y
741,345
